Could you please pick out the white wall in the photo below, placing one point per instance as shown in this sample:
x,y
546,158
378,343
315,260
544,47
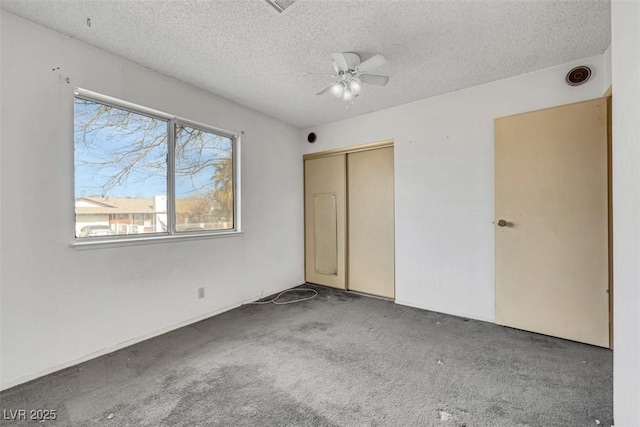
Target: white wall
x,y
625,50
59,305
444,181
607,68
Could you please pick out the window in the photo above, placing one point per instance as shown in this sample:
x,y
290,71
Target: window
x,y
140,172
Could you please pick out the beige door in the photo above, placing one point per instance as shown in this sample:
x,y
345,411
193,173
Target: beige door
x,y
371,222
551,190
325,220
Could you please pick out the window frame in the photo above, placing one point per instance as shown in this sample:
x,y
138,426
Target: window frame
x,y
171,234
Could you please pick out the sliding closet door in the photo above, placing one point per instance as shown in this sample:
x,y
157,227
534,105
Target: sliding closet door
x,y
325,220
371,222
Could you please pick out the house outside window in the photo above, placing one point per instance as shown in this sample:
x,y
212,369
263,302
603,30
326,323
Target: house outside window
x,y
141,172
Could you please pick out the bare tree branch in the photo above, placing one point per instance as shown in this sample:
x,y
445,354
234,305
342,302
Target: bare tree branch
x,y
120,147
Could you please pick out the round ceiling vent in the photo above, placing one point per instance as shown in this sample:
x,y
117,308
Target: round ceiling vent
x,y
578,75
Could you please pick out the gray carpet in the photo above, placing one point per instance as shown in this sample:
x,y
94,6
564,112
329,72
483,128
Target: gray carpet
x,y
340,359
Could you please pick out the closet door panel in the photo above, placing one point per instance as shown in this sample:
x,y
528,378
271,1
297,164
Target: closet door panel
x,y
325,220
371,257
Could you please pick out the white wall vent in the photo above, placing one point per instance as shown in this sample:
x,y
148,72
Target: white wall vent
x,y
280,5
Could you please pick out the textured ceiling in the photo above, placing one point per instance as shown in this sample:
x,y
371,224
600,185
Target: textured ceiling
x,y
244,51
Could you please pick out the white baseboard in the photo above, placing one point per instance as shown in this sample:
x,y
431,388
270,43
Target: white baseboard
x,y
26,378
451,312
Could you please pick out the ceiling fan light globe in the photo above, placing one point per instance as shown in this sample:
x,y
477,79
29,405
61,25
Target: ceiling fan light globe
x,y
347,95
337,89
355,87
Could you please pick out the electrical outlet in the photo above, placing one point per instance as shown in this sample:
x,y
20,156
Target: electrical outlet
x,y
200,293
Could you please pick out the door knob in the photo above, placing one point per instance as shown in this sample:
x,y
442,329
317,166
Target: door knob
x,y
502,223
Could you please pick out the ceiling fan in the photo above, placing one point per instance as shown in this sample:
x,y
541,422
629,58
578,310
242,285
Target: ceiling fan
x,y
350,73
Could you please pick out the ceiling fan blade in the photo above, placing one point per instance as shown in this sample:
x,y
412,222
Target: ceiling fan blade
x,y
353,59
326,88
374,79
340,61
319,74
374,62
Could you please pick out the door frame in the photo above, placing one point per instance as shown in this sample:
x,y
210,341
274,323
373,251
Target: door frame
x,y
608,95
348,150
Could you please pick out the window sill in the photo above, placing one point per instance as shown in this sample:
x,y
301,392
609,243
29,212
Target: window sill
x,y
82,245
